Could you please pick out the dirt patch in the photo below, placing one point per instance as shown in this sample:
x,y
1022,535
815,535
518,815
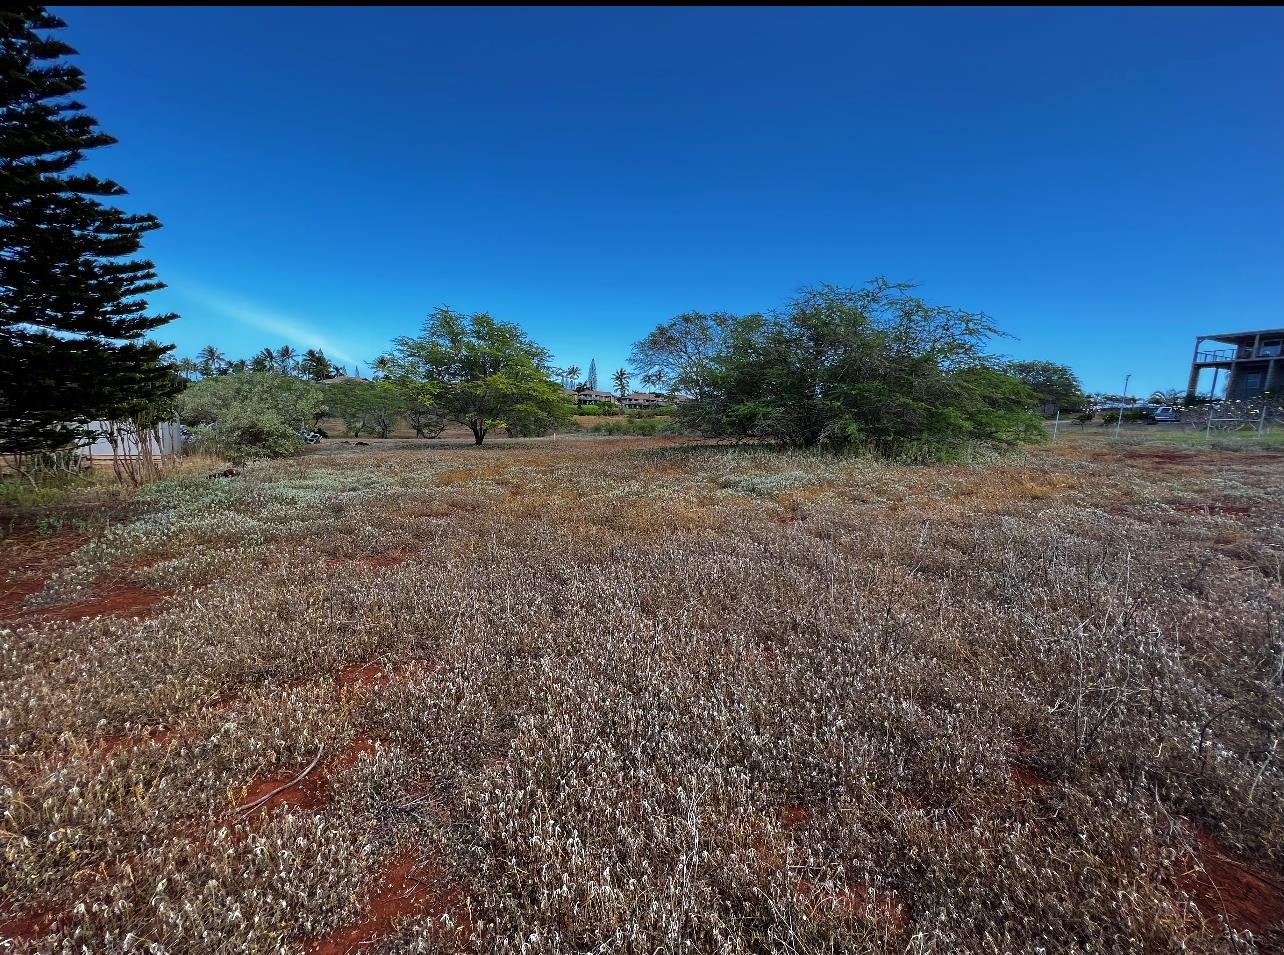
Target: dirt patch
x,y
793,815
362,746
24,928
406,888
1222,885
26,563
361,675
1026,778
310,793
130,601
118,742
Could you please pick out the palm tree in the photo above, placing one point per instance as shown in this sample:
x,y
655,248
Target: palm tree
x,y
264,360
286,357
187,368
572,372
210,361
1169,396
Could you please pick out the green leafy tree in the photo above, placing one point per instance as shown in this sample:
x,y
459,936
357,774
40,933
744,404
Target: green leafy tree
x,y
365,405
426,420
1056,386
251,413
480,372
874,367
73,312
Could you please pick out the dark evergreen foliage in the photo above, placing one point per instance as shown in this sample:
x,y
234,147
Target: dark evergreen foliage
x,y
72,310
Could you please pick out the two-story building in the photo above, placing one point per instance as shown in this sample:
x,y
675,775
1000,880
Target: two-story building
x,y
644,399
588,397
1252,362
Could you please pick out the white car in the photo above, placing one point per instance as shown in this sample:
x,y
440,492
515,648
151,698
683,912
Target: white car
x,y
1167,413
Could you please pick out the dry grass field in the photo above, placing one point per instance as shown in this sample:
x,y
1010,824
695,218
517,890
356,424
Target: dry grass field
x,y
625,696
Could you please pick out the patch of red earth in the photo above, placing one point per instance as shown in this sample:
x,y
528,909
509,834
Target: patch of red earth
x,y
25,565
1221,885
362,675
406,888
793,815
361,746
118,742
1026,777
857,897
25,928
131,601
310,792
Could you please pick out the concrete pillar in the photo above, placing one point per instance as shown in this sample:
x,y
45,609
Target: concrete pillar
x,y
1192,384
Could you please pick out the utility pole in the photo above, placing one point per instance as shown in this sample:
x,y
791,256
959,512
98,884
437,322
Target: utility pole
x,y
1120,420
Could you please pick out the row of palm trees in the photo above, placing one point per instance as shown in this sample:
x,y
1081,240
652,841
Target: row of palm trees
x,y
285,360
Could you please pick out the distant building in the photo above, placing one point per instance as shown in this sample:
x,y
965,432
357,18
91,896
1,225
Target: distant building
x,y
645,399
116,439
1252,362
591,397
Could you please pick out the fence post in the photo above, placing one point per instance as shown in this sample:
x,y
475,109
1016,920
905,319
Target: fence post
x,y
1056,424
1261,421
1208,428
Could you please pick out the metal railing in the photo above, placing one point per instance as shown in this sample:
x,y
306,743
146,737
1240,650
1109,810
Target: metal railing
x,y
1219,354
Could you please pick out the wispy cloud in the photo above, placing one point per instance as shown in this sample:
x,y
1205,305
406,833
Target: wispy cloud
x,y
293,330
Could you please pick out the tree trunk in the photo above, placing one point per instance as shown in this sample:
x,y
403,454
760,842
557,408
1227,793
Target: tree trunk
x,y
479,433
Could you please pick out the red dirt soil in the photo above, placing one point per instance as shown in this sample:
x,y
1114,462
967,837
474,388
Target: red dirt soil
x,y
363,675
402,891
792,815
131,601
25,564
310,792
1226,887
26,927
117,742
1025,777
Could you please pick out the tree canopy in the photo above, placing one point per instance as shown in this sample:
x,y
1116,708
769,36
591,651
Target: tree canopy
x,y
478,371
73,312
250,413
873,367
1057,387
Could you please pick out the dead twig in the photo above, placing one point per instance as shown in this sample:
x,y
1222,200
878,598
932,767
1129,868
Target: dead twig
x,y
251,806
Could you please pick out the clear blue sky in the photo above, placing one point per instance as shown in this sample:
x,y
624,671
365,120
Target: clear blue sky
x,y
1106,184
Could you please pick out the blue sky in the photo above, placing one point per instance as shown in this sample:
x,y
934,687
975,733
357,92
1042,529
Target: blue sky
x,y
1104,183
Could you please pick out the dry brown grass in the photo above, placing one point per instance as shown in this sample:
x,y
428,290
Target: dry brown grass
x,y
621,696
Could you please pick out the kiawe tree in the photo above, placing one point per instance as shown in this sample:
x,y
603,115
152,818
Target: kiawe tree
x,y
478,371
73,316
1057,387
874,368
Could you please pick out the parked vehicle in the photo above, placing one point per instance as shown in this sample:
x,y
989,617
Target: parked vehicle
x,y
311,437
1167,413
